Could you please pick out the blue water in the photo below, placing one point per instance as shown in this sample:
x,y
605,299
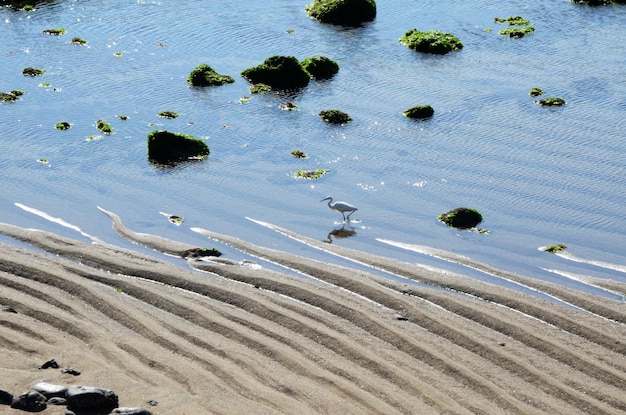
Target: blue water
x,y
539,176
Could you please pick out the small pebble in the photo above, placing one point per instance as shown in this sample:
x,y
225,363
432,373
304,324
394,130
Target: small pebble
x,y
71,371
50,363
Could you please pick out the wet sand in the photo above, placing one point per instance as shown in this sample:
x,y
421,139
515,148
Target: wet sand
x,y
215,338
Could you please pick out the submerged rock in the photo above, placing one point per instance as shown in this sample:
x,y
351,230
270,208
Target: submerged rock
x,y
335,116
11,96
279,72
461,218
342,12
204,75
431,42
419,112
320,67
166,147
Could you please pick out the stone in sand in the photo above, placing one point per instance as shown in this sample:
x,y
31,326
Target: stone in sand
x,y
31,401
132,411
50,390
71,371
89,398
5,397
50,363
57,401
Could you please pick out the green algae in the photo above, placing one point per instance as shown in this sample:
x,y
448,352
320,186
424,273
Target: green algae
x,y
434,41
419,112
203,75
335,116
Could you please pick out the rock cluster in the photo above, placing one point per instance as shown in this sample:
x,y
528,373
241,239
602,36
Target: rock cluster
x,y
77,398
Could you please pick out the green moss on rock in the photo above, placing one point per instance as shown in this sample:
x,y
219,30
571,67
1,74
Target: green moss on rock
x,y
11,96
260,88
431,42
342,12
79,41
461,218
535,91
104,127
517,32
33,71
299,154
166,147
513,20
320,67
335,116
419,112
279,72
204,75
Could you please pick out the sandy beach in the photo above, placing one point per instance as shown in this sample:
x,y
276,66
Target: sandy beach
x,y
215,338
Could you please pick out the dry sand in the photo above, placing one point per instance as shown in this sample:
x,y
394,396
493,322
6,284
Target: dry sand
x,y
235,340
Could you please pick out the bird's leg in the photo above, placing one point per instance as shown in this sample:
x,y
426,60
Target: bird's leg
x,y
344,216
349,215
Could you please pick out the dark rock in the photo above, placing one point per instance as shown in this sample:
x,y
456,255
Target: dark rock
x,y
166,147
50,364
204,75
5,397
201,253
335,116
89,398
50,390
461,218
419,112
71,371
31,401
320,67
152,402
57,401
132,411
342,12
279,72
8,309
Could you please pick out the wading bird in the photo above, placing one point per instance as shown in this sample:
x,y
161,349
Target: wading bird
x,y
342,207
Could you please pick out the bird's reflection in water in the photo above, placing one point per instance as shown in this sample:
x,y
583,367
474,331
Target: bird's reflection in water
x,y
339,233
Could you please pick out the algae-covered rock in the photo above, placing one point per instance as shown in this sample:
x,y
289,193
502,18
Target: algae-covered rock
x,y
63,125
552,249
342,12
320,67
535,91
78,41
279,72
335,116
168,114
260,88
57,31
461,218
517,32
33,71
166,147
11,96
431,42
104,127
311,174
204,75
513,20
419,112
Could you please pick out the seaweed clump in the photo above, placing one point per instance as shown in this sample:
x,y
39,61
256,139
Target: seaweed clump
x,y
33,71
58,31
168,114
165,147
419,112
335,116
552,249
11,96
515,32
435,42
78,41
299,154
320,67
461,218
279,72
342,12
311,174
551,102
535,91
204,75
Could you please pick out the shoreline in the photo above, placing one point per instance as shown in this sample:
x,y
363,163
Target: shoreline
x,y
230,339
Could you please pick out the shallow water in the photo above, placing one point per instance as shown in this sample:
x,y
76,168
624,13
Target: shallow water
x,y
539,176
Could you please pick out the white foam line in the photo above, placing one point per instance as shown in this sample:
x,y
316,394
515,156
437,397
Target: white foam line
x,y
601,264
422,250
58,221
583,279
